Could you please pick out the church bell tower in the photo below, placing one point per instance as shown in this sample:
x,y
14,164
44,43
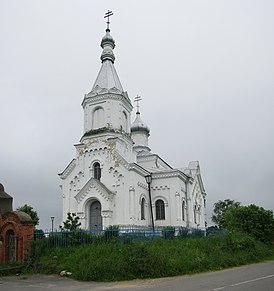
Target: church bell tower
x,y
107,107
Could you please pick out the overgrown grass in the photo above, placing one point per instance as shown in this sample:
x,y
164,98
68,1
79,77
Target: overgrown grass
x,y
153,258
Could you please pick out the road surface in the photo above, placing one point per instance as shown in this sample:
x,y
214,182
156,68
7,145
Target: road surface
x,y
252,277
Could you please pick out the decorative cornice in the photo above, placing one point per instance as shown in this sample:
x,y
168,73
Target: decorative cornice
x,y
160,187
170,174
144,186
106,132
104,94
68,169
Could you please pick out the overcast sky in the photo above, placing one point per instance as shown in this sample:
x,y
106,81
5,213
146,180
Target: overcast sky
x,y
204,69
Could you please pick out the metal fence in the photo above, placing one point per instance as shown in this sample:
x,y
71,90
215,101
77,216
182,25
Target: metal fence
x,y
117,234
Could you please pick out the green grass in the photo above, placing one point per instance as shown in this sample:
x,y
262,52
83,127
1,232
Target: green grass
x,y
152,258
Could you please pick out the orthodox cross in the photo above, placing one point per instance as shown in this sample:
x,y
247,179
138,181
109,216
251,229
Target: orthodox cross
x,y
138,99
107,15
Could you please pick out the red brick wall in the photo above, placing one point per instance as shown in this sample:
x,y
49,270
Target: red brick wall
x,y
22,232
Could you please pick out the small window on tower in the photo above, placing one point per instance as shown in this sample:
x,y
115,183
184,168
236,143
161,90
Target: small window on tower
x,y
96,171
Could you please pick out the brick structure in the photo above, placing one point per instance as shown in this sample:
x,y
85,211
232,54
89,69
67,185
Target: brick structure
x,y
16,231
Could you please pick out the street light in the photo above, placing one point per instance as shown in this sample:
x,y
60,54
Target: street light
x,y
149,180
52,222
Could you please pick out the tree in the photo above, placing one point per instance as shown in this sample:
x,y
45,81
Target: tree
x,y
220,209
29,210
72,223
253,220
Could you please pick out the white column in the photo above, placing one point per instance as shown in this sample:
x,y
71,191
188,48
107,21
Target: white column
x,y
189,206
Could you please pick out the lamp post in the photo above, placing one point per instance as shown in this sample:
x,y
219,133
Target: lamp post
x,y
52,222
149,180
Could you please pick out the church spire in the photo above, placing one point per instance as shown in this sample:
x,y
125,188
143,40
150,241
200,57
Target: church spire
x,y
107,77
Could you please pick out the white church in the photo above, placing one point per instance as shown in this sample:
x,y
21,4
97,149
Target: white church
x,y
115,178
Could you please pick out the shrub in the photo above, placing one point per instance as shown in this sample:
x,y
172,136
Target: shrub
x,y
111,233
196,233
252,220
152,258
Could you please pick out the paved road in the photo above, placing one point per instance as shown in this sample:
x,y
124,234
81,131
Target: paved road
x,y
252,277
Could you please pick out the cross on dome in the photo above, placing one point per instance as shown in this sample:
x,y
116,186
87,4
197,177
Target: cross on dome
x,y
137,99
107,15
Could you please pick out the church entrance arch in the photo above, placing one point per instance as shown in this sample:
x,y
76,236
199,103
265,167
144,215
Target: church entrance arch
x,y
95,216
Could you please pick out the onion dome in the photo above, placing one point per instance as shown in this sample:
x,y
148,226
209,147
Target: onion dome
x,y
139,126
107,44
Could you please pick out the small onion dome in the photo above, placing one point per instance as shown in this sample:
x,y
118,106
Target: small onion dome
x,y
107,44
139,125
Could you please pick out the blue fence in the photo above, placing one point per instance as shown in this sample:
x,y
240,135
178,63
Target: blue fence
x,y
118,234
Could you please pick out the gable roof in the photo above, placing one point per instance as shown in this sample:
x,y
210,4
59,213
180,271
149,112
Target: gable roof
x,y
98,186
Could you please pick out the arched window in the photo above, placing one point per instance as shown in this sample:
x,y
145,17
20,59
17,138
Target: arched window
x,y
143,217
160,209
98,118
96,171
183,210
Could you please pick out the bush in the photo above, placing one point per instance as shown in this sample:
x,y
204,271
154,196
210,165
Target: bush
x,y
111,233
196,233
252,220
153,258
215,231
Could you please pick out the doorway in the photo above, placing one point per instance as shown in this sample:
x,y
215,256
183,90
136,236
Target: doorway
x,y
11,246
95,221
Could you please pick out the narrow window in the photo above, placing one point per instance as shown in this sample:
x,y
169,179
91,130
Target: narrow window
x,y
96,171
143,209
160,209
183,210
195,214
